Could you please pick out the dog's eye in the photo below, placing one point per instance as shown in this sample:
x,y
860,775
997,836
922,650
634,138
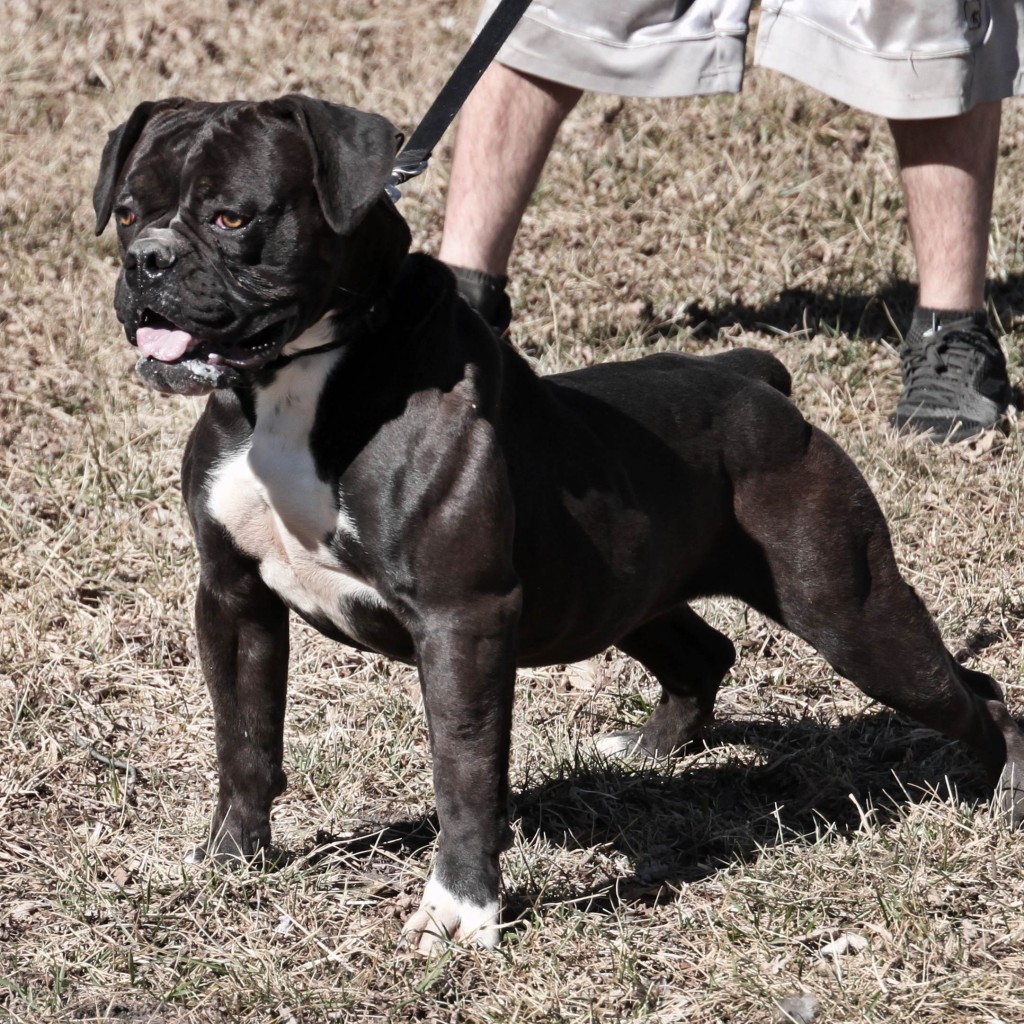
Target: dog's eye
x,y
230,221
126,218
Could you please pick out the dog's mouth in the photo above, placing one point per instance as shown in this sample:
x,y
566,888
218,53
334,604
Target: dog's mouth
x,y
160,339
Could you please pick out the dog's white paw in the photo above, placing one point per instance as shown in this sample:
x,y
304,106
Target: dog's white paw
x,y
442,916
1009,796
620,745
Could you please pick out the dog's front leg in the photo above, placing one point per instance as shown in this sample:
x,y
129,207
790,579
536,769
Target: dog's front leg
x,y
243,645
467,672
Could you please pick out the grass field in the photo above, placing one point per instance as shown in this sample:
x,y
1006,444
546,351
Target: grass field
x,y
817,845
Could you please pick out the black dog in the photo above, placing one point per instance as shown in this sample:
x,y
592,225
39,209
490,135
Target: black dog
x,y
374,459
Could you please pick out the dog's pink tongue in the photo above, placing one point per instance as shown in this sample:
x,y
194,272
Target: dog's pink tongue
x,y
163,344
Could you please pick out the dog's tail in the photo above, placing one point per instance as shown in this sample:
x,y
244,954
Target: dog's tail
x,y
752,362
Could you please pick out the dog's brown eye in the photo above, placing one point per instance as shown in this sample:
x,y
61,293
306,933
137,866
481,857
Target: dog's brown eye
x,y
230,221
126,218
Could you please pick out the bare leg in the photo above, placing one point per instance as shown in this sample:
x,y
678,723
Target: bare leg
x,y
506,130
948,166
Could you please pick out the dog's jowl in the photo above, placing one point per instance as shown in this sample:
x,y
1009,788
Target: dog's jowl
x,y
373,459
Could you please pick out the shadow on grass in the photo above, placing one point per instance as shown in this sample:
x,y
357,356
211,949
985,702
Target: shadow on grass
x,y
784,781
780,781
855,315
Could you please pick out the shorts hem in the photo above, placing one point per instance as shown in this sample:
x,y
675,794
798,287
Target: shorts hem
x,y
907,86
695,66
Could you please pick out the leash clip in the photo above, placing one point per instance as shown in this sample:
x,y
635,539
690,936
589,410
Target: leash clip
x,y
481,52
400,174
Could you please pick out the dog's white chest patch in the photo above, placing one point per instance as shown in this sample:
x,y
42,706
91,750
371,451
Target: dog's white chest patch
x,y
267,495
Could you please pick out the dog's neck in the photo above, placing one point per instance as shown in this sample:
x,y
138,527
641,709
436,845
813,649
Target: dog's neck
x,y
336,328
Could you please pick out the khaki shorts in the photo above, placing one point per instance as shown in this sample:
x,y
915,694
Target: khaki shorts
x,y
896,58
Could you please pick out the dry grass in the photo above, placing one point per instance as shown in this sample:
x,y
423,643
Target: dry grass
x,y
818,844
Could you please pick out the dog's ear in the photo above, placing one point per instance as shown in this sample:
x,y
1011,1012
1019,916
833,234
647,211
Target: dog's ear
x,y
119,144
353,154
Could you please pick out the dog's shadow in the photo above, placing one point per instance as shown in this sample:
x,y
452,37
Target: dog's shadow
x,y
642,829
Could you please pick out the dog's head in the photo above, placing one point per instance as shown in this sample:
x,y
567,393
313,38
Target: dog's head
x,y
242,224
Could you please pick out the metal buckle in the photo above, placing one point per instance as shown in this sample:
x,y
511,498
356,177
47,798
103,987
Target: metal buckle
x,y
400,174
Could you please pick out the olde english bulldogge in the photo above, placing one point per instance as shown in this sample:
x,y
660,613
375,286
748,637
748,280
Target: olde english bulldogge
x,y
372,458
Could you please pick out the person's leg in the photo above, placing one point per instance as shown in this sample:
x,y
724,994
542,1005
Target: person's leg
x,y
954,373
948,167
506,130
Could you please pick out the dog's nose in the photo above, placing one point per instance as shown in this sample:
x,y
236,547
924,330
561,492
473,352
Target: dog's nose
x,y
150,257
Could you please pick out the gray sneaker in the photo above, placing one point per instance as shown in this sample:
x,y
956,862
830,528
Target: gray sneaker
x,y
954,380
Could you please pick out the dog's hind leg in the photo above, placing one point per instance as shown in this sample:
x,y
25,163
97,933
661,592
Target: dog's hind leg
x,y
689,658
829,574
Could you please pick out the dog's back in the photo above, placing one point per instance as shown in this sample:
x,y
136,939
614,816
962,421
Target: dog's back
x,y
752,362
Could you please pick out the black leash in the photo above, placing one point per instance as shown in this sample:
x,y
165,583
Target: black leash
x,y
415,155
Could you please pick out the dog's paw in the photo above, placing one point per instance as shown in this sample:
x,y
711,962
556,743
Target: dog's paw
x,y
226,849
443,917
622,745
206,856
223,850
1008,800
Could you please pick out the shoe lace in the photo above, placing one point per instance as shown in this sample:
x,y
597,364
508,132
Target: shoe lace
x,y
936,367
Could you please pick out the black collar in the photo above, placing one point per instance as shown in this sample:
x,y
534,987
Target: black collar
x,y
363,317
